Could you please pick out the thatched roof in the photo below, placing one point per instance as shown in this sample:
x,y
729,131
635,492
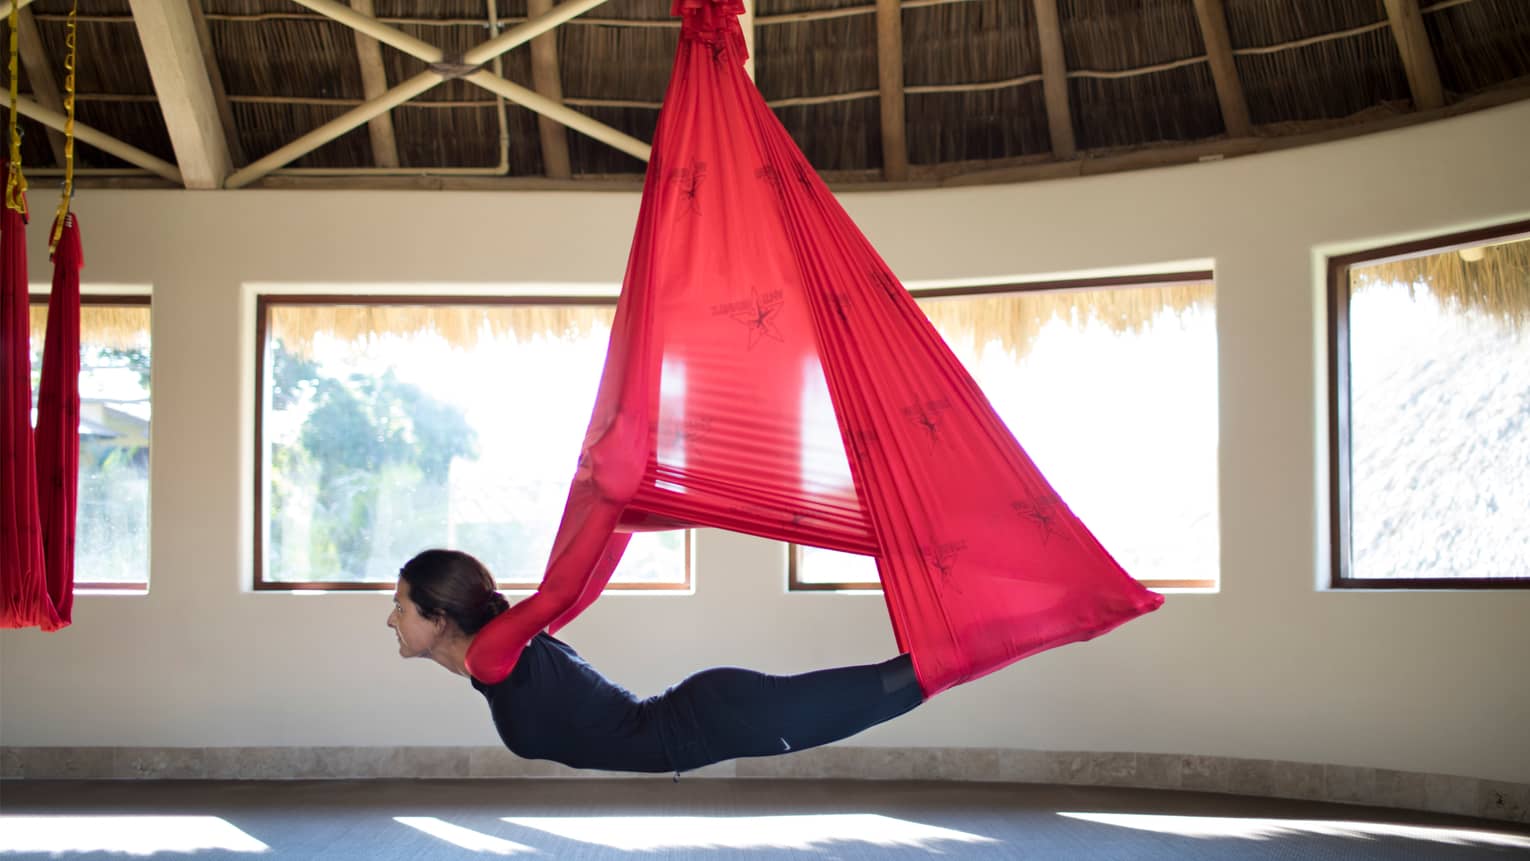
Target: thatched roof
x,y
1492,280
1012,320
118,326
1141,75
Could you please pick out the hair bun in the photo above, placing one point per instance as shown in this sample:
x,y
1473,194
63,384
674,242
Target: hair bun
x,y
497,604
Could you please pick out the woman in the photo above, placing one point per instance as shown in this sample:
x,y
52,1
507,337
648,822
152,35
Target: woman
x,y
553,705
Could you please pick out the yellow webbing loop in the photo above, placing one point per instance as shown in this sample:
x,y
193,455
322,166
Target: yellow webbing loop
x,y
15,183
68,193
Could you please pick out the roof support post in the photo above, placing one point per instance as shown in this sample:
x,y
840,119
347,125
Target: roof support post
x,y
215,78
1054,80
890,82
549,83
374,82
746,23
174,53
1417,56
1224,69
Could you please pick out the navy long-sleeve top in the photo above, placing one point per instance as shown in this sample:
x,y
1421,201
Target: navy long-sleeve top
x,y
555,706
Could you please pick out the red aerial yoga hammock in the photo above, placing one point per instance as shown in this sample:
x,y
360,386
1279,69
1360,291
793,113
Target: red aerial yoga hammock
x,y
38,478
752,311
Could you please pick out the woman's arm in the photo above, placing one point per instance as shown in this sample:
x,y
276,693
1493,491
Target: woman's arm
x,y
567,589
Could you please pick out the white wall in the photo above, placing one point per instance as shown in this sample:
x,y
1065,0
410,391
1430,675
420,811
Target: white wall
x,y
1270,667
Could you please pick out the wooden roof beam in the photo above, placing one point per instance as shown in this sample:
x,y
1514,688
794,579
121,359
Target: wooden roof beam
x,y
1054,80
174,54
44,86
424,81
549,84
1417,55
746,22
215,79
374,82
1224,69
100,140
890,82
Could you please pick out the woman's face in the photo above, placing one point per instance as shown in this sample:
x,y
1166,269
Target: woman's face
x,y
416,634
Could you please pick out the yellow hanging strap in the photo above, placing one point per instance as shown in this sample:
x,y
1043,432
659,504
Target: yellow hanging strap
x,y
64,199
15,183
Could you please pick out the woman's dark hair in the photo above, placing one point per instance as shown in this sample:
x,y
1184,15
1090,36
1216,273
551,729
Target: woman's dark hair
x,y
455,585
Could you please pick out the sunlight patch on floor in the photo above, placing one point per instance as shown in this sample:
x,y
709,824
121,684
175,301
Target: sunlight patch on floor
x,y
132,835
466,838
1265,829
647,833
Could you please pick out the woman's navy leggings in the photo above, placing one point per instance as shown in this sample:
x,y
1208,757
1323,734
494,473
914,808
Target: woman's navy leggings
x,y
729,712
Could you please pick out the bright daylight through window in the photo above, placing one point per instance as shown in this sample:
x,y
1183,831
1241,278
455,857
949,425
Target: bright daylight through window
x,y
387,428
1436,474
112,515
1112,391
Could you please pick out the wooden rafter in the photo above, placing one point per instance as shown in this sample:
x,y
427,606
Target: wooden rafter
x,y
1224,69
1054,80
174,54
374,82
890,83
549,84
1008,170
1417,55
215,79
433,76
100,140
746,23
44,87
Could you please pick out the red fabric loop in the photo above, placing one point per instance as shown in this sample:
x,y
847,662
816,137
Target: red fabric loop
x,y
768,374
38,471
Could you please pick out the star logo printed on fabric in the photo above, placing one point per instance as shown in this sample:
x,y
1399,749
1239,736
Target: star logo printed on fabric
x,y
804,175
884,279
1040,511
862,441
689,179
757,315
840,302
942,557
677,433
927,416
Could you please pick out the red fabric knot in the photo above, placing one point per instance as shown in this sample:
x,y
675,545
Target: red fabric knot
x,y
715,24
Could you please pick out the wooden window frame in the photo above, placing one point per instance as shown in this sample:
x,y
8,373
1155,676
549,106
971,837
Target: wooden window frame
x,y
1339,461
794,582
263,303
132,586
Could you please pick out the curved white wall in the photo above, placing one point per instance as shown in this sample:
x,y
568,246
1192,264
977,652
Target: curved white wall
x,y
1268,668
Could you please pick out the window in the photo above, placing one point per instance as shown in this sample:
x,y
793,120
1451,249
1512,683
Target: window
x,y
111,546
387,426
1111,388
1429,413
